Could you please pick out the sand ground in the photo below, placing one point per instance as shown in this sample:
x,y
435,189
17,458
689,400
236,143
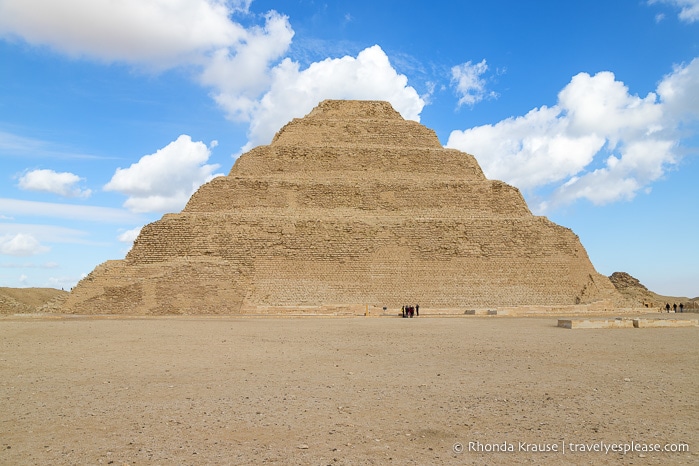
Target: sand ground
x,y
361,390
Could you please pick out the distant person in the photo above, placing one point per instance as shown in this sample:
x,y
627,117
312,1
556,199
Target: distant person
x,y
681,307
667,307
674,308
402,311
417,310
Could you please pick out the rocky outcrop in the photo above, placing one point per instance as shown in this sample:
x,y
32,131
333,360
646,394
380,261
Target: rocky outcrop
x,y
622,281
637,295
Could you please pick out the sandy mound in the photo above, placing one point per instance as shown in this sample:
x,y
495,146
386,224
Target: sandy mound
x,y
30,300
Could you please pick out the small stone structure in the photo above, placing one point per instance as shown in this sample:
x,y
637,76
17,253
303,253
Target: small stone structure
x,y
595,323
662,323
349,207
627,323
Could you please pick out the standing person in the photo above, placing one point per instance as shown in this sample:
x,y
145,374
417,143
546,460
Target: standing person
x,y
417,310
667,307
402,311
674,308
681,307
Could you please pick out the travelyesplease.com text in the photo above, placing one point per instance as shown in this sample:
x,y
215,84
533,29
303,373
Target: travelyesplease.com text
x,y
565,447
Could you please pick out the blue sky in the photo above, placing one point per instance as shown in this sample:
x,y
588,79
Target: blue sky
x,y
113,113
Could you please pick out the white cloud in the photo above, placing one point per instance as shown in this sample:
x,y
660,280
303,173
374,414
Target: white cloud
x,y
294,92
528,151
620,178
61,282
679,91
599,142
240,65
23,208
165,180
233,60
601,105
240,75
469,85
50,181
689,9
129,236
145,31
21,244
52,233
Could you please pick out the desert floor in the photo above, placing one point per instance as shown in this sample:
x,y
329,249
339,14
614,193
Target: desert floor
x,y
361,390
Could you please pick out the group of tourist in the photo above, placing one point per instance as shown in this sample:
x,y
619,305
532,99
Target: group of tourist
x,y
410,310
674,307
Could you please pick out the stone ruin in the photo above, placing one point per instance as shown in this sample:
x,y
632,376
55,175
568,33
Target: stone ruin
x,y
349,207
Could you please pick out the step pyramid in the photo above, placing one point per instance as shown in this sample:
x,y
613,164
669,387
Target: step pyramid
x,y
349,207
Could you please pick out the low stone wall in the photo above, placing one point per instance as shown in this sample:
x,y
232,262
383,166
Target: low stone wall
x,y
595,323
659,323
627,323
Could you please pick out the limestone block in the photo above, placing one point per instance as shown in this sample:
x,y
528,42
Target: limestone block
x,y
659,323
595,323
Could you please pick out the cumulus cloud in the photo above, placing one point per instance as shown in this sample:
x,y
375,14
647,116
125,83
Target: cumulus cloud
x,y
679,91
599,142
294,92
243,66
528,151
233,60
146,31
63,183
21,244
129,236
165,180
468,83
689,9
240,75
